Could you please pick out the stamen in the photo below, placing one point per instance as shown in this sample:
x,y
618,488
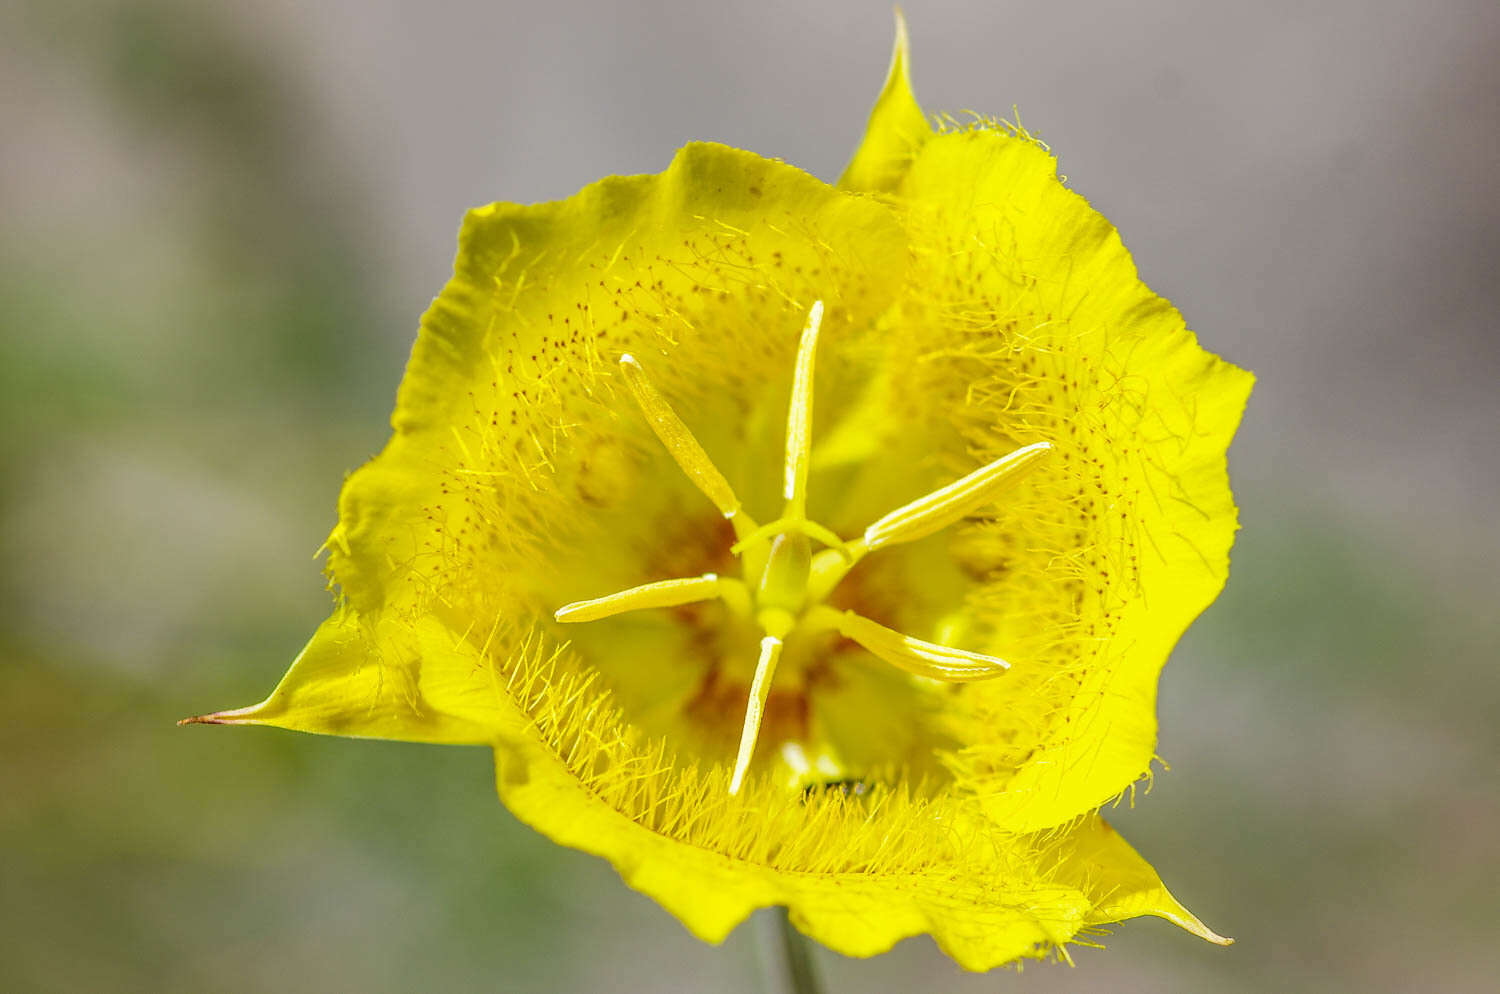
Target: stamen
x,y
944,506
663,593
684,448
799,417
937,662
770,652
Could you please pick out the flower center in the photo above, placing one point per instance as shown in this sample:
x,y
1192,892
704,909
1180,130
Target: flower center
x,y
784,582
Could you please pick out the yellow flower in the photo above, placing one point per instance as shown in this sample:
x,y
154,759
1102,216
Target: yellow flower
x,y
992,464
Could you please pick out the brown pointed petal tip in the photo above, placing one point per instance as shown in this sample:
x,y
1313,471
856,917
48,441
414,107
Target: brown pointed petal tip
x,y
1192,924
239,716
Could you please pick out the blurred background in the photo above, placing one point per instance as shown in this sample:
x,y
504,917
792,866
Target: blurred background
x,y
221,222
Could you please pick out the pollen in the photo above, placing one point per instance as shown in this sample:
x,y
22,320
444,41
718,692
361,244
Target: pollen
x,y
785,584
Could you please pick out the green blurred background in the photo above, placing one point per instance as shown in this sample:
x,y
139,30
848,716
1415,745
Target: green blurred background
x,y
221,222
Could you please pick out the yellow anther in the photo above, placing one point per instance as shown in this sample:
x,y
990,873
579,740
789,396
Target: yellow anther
x,y
663,593
799,417
760,687
684,448
944,506
914,655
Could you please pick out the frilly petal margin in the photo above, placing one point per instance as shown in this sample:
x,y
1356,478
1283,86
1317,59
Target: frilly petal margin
x,y
1164,461
857,915
995,181
987,897
858,874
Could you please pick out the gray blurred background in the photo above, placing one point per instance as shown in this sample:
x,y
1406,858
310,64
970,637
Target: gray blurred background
x,y
221,222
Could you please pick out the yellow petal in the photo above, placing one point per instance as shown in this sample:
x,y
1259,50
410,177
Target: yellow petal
x,y
519,478
383,681
858,872
510,440
896,131
1109,550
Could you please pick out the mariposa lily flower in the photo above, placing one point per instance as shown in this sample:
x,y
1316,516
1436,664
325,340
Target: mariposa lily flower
x,y
796,544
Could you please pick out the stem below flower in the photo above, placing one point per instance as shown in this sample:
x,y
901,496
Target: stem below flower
x,y
799,973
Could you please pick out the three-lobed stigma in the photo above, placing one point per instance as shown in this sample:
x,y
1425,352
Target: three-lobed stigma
x,y
784,581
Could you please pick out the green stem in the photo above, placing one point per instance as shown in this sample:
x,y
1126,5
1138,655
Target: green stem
x,y
801,976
